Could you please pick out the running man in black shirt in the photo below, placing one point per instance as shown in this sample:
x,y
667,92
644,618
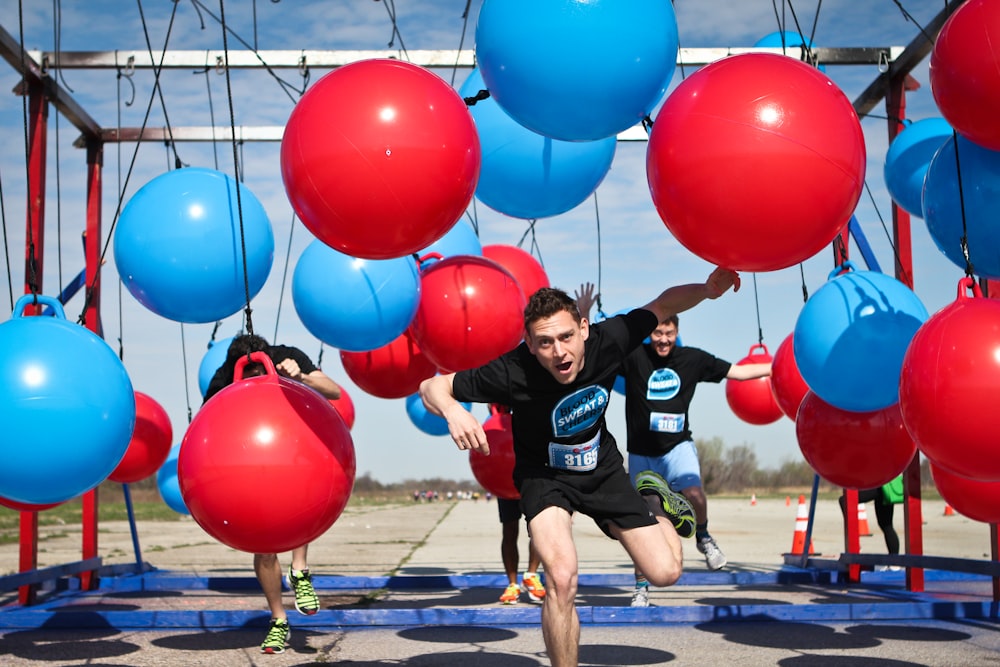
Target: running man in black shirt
x,y
558,383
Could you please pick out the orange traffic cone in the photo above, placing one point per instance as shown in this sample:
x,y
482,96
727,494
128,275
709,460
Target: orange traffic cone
x,y
801,524
863,527
788,501
949,510
753,499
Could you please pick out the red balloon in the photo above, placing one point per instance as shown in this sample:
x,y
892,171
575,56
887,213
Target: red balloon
x,y
394,370
752,400
345,406
267,464
742,147
965,72
495,472
152,439
855,450
380,158
949,383
786,381
471,311
527,270
980,501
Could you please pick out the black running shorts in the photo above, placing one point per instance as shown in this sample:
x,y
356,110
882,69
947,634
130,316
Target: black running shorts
x,y
606,495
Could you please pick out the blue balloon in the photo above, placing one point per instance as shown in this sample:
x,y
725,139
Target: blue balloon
x,y
980,192
461,239
429,423
354,304
851,335
909,157
577,71
178,245
167,484
213,359
791,41
527,175
66,405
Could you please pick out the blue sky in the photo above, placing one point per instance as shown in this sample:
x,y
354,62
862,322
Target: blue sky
x,y
638,257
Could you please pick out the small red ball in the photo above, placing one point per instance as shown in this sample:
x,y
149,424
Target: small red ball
x,y
495,472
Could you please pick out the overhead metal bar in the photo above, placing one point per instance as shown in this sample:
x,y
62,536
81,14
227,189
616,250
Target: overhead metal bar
x,y
259,133
28,67
911,56
325,59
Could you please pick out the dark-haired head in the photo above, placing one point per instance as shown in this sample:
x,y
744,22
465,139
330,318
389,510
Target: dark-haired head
x,y
546,302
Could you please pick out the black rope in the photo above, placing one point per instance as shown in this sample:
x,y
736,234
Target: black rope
x,y
236,163
187,390
284,278
157,88
756,303
59,254
481,95
285,86
888,235
969,269
32,259
57,41
390,8
6,247
802,278
211,107
461,41
597,217
908,17
88,293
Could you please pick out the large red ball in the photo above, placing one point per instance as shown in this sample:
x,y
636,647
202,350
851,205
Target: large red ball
x,y
150,445
267,465
380,158
786,381
394,370
495,472
975,499
949,383
965,72
855,450
471,311
752,400
742,148
527,270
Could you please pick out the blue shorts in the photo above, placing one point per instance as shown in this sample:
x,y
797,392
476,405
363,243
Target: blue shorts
x,y
679,466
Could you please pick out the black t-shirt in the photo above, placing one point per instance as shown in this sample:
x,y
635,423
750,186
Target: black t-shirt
x,y
223,376
658,393
545,411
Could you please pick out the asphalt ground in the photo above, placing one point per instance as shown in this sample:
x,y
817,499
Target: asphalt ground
x,y
417,584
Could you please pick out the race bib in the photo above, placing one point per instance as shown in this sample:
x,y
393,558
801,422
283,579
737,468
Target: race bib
x,y
581,457
662,422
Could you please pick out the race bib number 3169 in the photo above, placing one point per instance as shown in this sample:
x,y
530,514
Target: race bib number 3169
x,y
577,458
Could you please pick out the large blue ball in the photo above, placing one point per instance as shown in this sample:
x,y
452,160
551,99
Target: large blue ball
x,y
66,403
946,209
179,245
527,175
851,336
213,359
168,485
354,304
909,157
425,421
577,70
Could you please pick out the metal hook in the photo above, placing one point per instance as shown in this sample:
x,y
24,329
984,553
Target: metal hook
x,y
883,62
303,66
220,65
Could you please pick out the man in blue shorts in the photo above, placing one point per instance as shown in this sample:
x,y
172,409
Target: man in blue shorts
x,y
660,380
558,382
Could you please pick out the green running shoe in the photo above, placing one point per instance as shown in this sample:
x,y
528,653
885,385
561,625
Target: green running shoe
x,y
306,601
277,636
676,506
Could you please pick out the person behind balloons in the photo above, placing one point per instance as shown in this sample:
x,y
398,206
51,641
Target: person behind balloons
x,y
294,364
557,383
660,382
